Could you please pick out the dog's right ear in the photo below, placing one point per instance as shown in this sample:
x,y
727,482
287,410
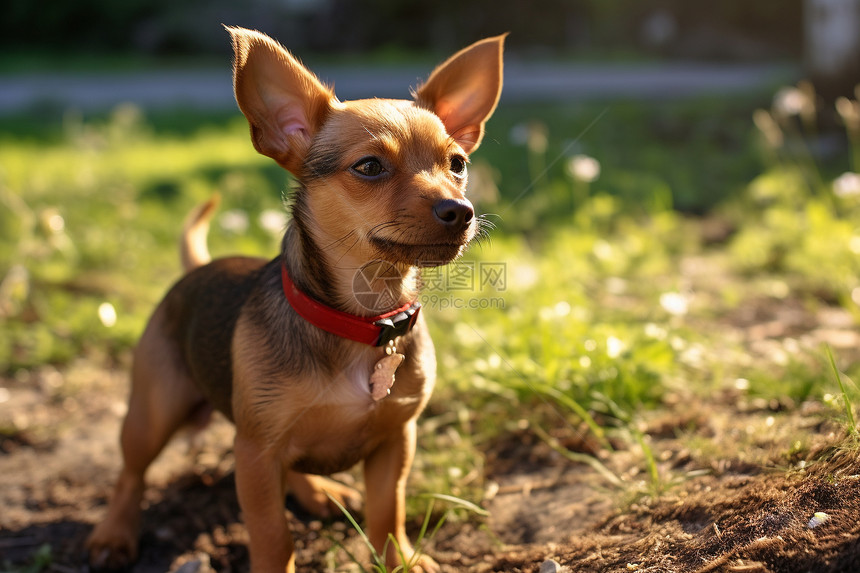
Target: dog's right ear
x,y
283,101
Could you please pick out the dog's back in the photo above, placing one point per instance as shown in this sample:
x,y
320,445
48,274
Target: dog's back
x,y
205,337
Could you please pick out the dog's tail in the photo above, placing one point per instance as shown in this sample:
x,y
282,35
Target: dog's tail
x,y
192,247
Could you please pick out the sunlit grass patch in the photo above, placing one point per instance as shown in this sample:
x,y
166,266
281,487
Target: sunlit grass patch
x,y
579,314
95,219
591,313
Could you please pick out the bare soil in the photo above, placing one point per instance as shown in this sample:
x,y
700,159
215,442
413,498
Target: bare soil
x,y
746,484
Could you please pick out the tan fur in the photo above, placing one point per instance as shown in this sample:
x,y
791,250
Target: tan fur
x,y
192,249
381,182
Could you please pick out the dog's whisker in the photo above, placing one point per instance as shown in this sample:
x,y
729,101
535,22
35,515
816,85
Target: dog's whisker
x,y
347,250
340,241
384,226
484,224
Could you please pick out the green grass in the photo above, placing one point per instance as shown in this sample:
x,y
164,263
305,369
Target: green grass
x,y
687,155
91,219
574,315
846,399
41,560
426,533
94,206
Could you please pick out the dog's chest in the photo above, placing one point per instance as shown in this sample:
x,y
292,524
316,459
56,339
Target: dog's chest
x,y
346,422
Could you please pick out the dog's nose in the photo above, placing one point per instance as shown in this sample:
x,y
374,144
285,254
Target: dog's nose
x,y
454,213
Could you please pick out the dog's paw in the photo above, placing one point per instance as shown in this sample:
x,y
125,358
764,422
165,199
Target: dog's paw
x,y
111,549
421,564
315,494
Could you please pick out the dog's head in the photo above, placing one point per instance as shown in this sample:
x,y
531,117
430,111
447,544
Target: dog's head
x,y
390,173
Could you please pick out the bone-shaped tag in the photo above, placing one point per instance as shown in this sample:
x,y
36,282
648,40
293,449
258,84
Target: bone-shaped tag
x,y
382,377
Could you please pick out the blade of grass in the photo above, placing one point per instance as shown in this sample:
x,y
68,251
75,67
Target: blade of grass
x,y
349,553
591,461
459,502
406,565
577,408
425,523
423,534
650,461
846,401
380,563
439,524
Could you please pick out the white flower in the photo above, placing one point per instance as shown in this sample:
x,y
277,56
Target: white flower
x,y
525,276
53,221
847,184
602,250
107,314
273,221
674,303
790,101
655,331
614,347
234,221
583,168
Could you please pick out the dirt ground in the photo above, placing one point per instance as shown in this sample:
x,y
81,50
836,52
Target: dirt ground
x,y
749,485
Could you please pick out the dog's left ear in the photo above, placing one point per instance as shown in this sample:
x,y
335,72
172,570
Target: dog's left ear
x,y
465,89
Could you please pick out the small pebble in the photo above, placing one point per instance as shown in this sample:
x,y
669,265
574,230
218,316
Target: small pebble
x,y
550,566
192,566
818,518
198,564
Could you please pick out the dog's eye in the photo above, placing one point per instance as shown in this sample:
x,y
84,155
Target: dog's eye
x,y
458,165
369,167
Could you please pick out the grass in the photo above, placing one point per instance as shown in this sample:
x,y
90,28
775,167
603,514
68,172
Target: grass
x,y
41,560
577,317
846,400
425,533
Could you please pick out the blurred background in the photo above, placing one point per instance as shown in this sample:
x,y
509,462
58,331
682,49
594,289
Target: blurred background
x,y
731,30
818,39
662,106
674,188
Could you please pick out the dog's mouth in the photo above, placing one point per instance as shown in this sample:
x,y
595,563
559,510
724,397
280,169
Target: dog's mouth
x,y
418,254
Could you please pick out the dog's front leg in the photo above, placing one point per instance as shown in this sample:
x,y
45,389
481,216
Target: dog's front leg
x,y
385,473
260,486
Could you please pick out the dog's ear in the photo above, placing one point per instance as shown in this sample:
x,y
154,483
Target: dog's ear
x,y
465,89
283,101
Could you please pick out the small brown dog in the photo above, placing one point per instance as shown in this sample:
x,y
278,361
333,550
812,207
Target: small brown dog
x,y
287,349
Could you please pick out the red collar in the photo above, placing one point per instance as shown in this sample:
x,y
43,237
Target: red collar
x,y
372,330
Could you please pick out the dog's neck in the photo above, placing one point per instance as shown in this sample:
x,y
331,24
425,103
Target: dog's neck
x,y
325,268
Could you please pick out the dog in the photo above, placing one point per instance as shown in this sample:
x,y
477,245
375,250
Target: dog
x,y
315,377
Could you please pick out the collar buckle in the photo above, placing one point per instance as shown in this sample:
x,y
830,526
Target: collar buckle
x,y
395,326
